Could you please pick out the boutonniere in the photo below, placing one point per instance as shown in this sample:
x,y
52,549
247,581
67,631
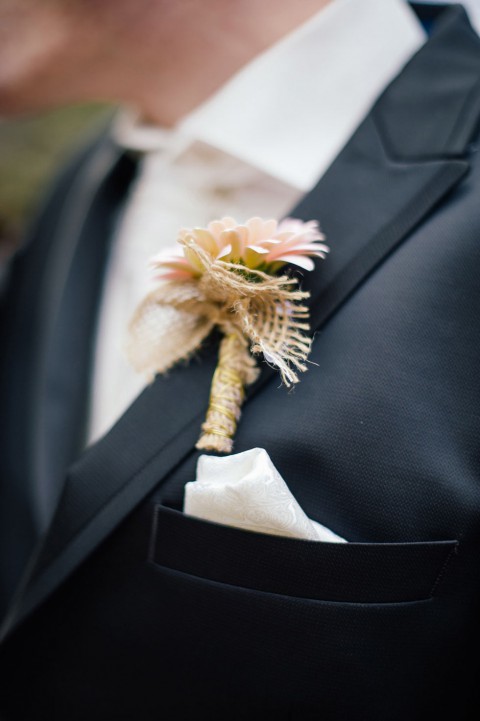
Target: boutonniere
x,y
228,278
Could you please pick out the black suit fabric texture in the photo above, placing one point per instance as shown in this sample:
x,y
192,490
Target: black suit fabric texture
x,y
46,338
132,610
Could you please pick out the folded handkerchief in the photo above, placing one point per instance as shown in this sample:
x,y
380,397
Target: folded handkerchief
x,y
245,490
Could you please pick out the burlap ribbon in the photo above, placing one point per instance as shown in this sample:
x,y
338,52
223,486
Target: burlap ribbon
x,y
257,314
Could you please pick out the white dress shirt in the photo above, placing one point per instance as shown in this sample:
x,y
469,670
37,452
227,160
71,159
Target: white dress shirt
x,y
253,148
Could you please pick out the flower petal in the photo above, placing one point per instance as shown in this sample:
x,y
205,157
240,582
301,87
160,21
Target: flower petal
x,y
205,240
229,222
255,228
194,260
180,264
301,260
269,228
225,252
234,240
258,249
254,256
216,228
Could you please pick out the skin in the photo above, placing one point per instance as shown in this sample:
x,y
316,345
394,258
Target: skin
x,y
163,56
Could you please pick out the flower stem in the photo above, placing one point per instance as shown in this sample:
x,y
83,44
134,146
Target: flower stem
x,y
235,369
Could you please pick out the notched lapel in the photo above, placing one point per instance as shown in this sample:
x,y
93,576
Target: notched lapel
x,y
446,102
367,203
410,151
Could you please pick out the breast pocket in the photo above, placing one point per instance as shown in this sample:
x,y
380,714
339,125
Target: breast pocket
x,y
349,573
264,622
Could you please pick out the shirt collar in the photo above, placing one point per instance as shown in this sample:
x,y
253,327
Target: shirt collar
x,y
291,109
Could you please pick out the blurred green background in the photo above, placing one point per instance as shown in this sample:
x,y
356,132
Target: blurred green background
x,y
30,151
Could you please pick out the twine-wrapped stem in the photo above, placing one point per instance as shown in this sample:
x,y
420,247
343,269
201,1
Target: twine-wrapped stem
x,y
236,369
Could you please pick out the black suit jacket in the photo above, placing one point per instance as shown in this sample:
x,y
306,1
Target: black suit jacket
x,y
131,610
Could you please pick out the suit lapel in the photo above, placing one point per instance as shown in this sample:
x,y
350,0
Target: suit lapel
x,y
375,193
71,289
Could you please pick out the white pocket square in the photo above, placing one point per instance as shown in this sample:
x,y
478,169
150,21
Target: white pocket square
x,y
245,490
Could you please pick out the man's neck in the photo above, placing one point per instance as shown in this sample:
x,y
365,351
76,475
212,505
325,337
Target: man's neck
x,y
204,47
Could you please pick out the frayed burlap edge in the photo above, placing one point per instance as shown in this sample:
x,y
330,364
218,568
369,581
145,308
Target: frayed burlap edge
x,y
257,313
